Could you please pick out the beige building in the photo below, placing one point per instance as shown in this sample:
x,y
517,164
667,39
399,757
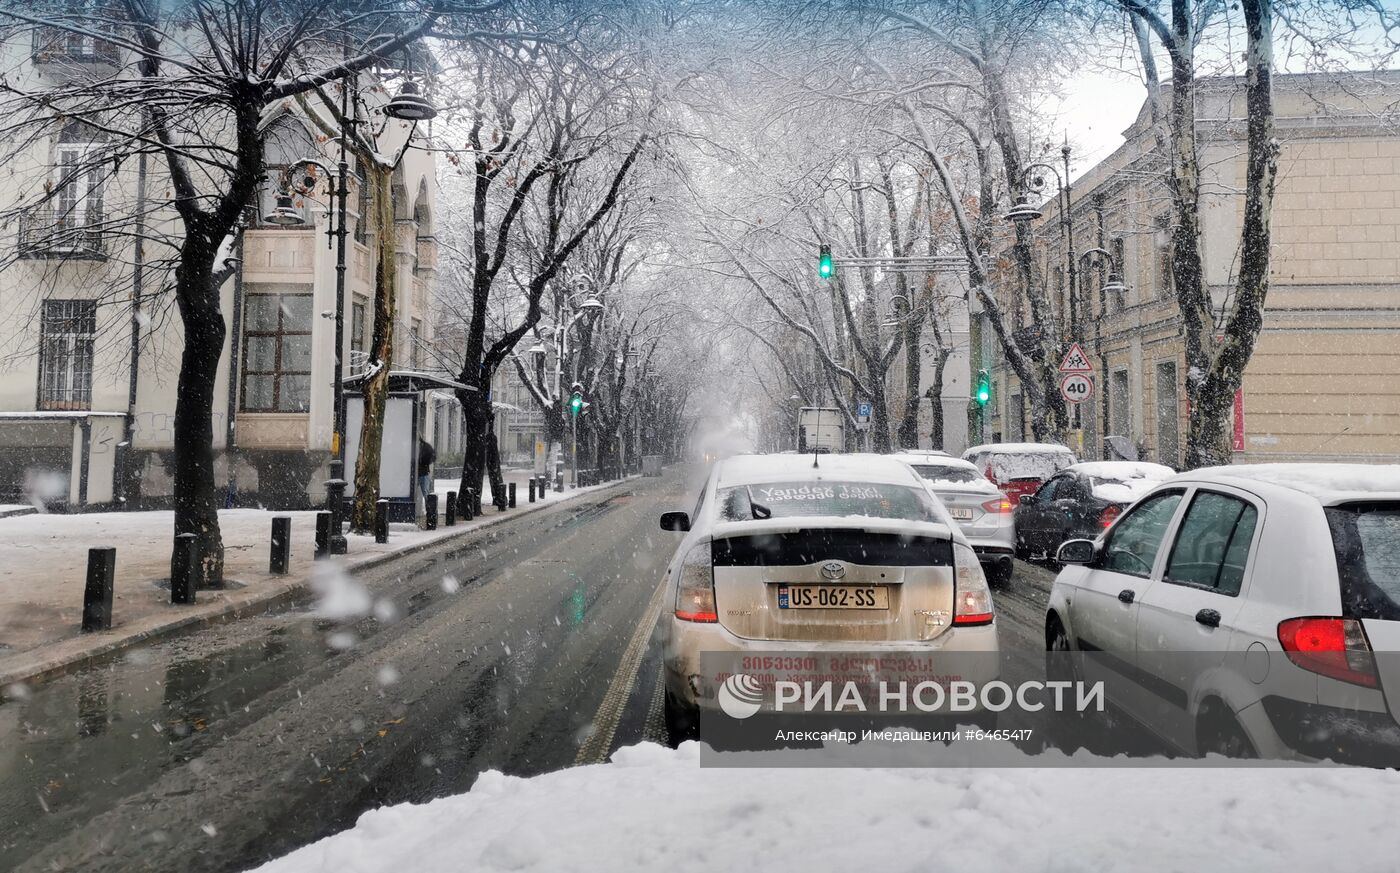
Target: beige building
x,y
90,344
1324,381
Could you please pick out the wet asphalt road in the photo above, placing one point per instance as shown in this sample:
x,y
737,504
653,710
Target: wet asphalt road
x,y
528,649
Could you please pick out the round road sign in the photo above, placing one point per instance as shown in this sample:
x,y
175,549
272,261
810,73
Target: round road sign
x,y
1076,387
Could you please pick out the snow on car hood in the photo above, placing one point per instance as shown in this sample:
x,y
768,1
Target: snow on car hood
x,y
641,813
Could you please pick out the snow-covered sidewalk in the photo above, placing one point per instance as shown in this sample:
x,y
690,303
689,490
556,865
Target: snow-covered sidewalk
x,y
43,566
655,809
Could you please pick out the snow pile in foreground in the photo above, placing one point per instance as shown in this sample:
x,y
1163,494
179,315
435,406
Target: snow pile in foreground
x,y
654,809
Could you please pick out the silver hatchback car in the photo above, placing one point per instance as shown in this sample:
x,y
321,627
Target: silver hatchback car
x,y
786,556
985,513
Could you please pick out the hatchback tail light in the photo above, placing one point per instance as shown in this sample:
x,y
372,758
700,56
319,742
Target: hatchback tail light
x,y
695,589
1334,647
973,599
999,505
1109,515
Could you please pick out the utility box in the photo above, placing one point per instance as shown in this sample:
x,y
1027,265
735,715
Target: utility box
x,y
820,428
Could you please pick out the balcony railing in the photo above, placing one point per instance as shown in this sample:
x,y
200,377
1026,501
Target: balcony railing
x,y
48,233
55,45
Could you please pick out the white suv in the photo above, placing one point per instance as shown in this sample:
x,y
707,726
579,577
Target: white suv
x,y
1249,610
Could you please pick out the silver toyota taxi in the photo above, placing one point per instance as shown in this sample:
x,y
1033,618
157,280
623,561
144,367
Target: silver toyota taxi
x,y
826,553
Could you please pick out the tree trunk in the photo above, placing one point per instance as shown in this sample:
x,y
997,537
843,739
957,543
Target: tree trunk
x,y
909,421
196,503
376,388
493,465
476,425
935,396
1208,438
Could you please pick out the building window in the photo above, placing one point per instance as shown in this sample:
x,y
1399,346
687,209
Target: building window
x,y
1015,422
1168,415
1119,396
1163,283
66,332
361,204
359,308
53,44
70,224
1119,267
277,353
285,142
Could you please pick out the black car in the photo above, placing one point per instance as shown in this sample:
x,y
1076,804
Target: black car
x,y
1080,502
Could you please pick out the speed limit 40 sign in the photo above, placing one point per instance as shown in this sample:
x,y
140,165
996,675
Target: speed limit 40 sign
x,y
1076,387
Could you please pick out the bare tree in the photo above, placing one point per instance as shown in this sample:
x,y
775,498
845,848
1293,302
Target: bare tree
x,y
194,92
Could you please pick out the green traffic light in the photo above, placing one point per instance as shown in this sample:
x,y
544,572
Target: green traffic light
x,y
984,388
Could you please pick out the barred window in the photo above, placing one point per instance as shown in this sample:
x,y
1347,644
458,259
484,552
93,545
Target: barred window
x,y
277,353
66,333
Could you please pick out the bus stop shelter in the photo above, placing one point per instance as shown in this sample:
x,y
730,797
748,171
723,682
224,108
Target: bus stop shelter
x,y
404,413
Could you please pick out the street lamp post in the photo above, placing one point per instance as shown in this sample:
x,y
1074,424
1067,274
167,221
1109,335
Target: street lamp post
x,y
1114,284
408,105
286,214
1023,211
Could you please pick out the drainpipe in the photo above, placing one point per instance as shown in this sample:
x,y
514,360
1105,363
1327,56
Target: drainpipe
x,y
235,336
138,276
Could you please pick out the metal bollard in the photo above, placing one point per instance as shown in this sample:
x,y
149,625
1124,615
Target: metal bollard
x,y
281,556
451,513
97,595
323,534
183,569
532,489
381,521
510,495
430,511
467,505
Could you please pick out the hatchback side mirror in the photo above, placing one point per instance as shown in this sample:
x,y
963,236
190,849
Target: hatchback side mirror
x,y
1076,552
1027,498
675,521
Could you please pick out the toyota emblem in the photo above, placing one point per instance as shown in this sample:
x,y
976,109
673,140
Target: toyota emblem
x,y
833,570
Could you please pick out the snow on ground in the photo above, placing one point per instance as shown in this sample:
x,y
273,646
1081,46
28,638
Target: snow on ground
x,y
654,809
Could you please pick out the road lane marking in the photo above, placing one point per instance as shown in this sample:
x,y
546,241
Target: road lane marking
x,y
595,749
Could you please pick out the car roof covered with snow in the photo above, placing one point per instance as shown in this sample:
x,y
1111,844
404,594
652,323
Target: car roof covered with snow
x,y
1121,481
1120,471
1326,483
755,469
922,456
1016,449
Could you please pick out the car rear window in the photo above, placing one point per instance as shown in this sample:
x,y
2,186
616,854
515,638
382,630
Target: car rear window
x,y
805,499
940,473
1366,539
1028,465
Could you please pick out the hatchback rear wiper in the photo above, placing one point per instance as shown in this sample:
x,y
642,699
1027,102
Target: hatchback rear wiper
x,y
757,510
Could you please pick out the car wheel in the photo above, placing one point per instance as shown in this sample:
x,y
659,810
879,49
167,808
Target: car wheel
x,y
1059,658
1220,734
1022,553
682,722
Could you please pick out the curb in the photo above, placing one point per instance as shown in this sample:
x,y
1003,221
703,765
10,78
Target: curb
x,y
235,605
